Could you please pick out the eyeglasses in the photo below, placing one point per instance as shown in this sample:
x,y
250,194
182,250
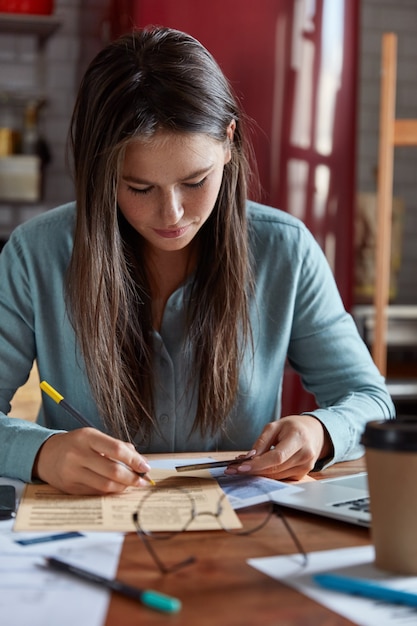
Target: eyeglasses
x,y
176,508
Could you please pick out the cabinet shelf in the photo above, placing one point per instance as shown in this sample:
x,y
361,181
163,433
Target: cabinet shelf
x,y
43,26
20,177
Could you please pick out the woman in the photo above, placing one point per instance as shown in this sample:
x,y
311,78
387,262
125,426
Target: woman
x,y
163,304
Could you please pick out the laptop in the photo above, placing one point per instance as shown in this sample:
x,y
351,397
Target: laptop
x,y
344,498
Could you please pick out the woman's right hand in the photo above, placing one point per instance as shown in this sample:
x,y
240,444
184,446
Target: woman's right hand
x,y
88,462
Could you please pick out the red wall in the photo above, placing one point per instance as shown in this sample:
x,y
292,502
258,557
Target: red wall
x,y
293,64
296,75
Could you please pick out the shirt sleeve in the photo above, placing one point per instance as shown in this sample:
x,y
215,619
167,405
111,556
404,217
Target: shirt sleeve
x,y
20,440
332,360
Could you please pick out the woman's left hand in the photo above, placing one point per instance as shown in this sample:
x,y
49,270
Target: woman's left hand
x,y
287,449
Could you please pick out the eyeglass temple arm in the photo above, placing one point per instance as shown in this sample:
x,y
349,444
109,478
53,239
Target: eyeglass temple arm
x,y
297,542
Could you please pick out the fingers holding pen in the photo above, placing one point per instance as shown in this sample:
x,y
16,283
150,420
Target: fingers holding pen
x,y
266,458
271,464
118,462
121,452
87,461
286,449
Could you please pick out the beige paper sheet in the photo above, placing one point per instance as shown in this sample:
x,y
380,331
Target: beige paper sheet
x,y
44,508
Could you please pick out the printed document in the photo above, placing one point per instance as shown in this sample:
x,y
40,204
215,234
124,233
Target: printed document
x,y
35,596
45,508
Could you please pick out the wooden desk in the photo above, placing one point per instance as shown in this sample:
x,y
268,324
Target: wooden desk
x,y
220,588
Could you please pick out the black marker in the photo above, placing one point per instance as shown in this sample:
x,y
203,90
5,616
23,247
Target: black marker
x,y
148,597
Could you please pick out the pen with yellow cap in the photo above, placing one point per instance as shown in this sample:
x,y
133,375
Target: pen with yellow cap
x,y
56,397
59,399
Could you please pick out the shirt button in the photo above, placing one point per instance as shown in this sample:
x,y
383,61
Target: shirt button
x,y
164,418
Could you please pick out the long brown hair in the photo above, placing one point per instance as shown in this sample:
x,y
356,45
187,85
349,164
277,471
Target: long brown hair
x,y
150,80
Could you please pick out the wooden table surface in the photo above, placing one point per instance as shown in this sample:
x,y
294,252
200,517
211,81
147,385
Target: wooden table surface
x,y
220,588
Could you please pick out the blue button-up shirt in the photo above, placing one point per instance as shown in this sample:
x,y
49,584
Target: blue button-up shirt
x,y
296,313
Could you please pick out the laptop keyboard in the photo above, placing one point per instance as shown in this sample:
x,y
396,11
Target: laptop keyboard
x,y
358,504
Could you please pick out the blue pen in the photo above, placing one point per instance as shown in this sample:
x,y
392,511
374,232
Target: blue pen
x,y
366,588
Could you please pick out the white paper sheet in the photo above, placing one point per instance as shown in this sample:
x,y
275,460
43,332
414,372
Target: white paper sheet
x,y
354,562
30,594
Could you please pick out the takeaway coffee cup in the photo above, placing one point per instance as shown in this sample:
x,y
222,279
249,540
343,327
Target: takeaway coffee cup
x,y
391,460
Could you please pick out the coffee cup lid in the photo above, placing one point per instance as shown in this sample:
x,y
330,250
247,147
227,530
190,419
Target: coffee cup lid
x,y
395,435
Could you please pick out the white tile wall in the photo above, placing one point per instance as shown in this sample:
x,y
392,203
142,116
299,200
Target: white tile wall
x,y
81,35
63,55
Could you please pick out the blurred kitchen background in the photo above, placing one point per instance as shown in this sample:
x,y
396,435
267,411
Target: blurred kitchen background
x,y
307,72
